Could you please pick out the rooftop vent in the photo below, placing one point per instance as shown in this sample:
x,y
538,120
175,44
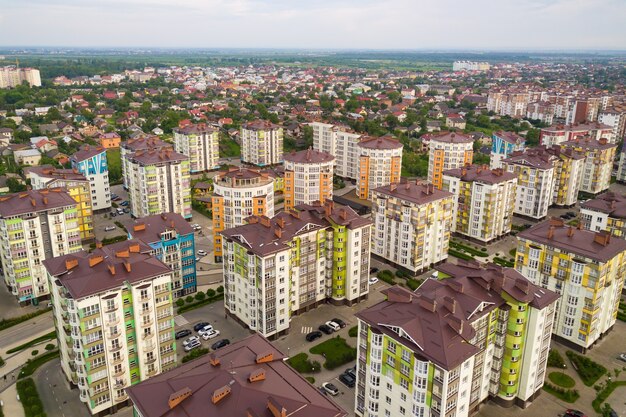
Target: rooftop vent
x,y
214,360
133,247
94,260
71,263
178,397
265,357
257,375
276,408
220,393
139,226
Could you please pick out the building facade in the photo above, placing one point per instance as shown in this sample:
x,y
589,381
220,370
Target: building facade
x,y
91,161
341,142
555,135
598,162
140,143
159,182
482,333
277,268
77,186
114,319
173,242
606,212
412,224
380,164
308,177
586,268
484,201
502,145
237,195
201,144
35,225
447,150
14,76
261,143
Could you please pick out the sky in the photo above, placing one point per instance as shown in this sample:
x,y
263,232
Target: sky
x,y
319,24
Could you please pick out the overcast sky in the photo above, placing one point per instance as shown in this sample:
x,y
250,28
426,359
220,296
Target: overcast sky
x,y
369,24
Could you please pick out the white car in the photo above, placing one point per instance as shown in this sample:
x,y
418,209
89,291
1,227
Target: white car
x,y
210,334
202,252
192,345
333,325
373,280
206,329
191,340
330,388
109,228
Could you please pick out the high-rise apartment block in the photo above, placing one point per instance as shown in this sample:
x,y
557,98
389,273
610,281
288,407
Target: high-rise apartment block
x,y
482,333
173,242
341,142
555,135
140,143
470,66
380,164
201,144
238,194
605,212
13,76
447,150
308,177
502,145
484,201
114,320
35,225
47,176
158,182
91,161
586,268
412,224
277,268
598,162
261,143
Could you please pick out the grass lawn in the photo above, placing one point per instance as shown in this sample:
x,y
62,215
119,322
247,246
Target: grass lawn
x,y
229,148
588,370
336,351
48,336
562,380
302,364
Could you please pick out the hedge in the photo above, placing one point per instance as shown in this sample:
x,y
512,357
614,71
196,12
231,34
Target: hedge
x,y
503,262
567,395
605,393
303,364
194,354
33,342
29,397
588,370
468,249
200,303
413,284
6,323
460,255
386,275
32,364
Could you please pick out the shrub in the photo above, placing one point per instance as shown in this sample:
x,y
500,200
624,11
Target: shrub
x,y
32,364
1,362
386,275
460,255
49,347
567,395
220,289
189,299
336,352
180,302
33,342
211,292
310,379
401,273
196,353
196,304
513,252
413,284
588,370
605,393
555,359
34,352
302,364
200,296
29,397
353,331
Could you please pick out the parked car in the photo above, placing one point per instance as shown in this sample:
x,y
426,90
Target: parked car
x,y
210,334
114,196
316,334
113,213
126,210
340,322
347,380
373,270
220,344
192,345
351,372
325,328
573,413
622,357
571,214
109,228
373,280
333,325
192,339
330,388
182,333
206,329
124,203
202,252
199,326
120,211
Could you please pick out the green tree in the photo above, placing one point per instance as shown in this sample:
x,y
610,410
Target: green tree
x,y
15,186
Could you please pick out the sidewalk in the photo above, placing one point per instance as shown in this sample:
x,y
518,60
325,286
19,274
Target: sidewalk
x,y
9,372
12,407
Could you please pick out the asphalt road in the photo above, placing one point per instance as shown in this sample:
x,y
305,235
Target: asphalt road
x,y
58,400
21,332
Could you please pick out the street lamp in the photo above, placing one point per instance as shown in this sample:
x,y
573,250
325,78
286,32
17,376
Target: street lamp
x,y
563,371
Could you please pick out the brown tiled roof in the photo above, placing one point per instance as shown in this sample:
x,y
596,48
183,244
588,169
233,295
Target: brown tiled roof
x,y
437,317
611,203
479,173
157,156
260,125
450,137
87,151
589,143
49,171
264,236
383,142
533,157
576,127
111,266
33,201
308,156
144,142
599,246
510,137
413,191
149,228
195,129
233,382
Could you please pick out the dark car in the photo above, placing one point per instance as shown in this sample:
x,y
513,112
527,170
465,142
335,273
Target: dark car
x,y
347,379
373,270
574,413
124,203
326,328
351,372
113,214
339,322
200,326
126,210
182,333
571,214
313,335
220,344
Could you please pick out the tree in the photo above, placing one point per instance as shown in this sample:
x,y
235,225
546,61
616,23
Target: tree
x,y
532,137
15,186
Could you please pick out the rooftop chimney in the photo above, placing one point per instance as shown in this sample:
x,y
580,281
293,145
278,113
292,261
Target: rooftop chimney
x,y
449,303
551,232
133,247
214,360
427,303
98,244
111,268
127,266
570,231
603,238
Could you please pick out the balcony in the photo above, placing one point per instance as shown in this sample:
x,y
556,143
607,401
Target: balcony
x,y
149,360
149,346
110,307
115,348
110,322
119,372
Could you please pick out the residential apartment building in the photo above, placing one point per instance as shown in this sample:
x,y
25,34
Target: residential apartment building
x,y
615,117
341,142
238,194
555,135
380,164
586,268
35,225
598,162
605,212
91,161
277,268
158,182
621,165
261,143
568,176
481,334
201,144
11,76
308,177
247,378
447,150
484,201
412,224
470,66
173,242
140,143
502,145
114,320
47,176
